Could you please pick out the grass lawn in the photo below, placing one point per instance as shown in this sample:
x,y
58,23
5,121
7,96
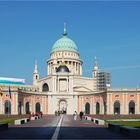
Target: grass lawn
x,y
7,120
128,123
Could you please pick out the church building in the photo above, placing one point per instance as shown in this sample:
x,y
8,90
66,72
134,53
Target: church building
x,y
66,89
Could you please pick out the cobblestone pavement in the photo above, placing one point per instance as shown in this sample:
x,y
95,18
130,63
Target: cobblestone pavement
x,y
45,128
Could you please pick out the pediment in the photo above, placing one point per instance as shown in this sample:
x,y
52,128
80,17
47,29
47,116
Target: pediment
x,y
81,89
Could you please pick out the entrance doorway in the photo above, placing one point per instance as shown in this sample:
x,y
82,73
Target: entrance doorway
x,y
63,106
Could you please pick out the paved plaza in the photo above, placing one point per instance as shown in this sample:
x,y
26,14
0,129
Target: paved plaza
x,y
47,128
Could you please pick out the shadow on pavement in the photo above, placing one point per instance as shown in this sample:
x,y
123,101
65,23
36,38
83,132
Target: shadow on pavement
x,y
88,133
27,133
64,133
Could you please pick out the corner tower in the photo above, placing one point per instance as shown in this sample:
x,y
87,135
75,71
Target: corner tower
x,y
95,69
65,50
35,74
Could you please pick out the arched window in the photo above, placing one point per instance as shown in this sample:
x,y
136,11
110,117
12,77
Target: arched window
x,y
7,107
97,108
87,108
36,77
37,107
27,108
131,107
45,87
116,107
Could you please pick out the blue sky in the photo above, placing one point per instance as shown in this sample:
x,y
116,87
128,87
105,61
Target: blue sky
x,y
106,29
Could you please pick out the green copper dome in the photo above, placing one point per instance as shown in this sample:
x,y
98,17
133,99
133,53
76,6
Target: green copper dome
x,y
64,43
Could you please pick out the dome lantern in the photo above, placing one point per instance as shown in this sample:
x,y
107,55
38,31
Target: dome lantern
x,y
65,30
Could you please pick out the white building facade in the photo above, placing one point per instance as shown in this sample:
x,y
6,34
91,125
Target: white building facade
x,y
64,76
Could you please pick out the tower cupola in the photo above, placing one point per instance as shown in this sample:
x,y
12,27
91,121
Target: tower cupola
x,y
35,74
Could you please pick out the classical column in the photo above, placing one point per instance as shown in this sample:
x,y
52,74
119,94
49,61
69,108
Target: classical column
x,y
71,84
58,85
67,85
138,103
102,104
34,102
16,98
81,69
22,108
91,104
122,105
12,104
54,84
80,108
44,107
127,105
83,106
48,70
94,106
74,67
111,108
101,107
107,104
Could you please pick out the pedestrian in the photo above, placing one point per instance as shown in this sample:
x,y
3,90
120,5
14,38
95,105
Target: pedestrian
x,y
58,113
55,113
75,115
81,115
